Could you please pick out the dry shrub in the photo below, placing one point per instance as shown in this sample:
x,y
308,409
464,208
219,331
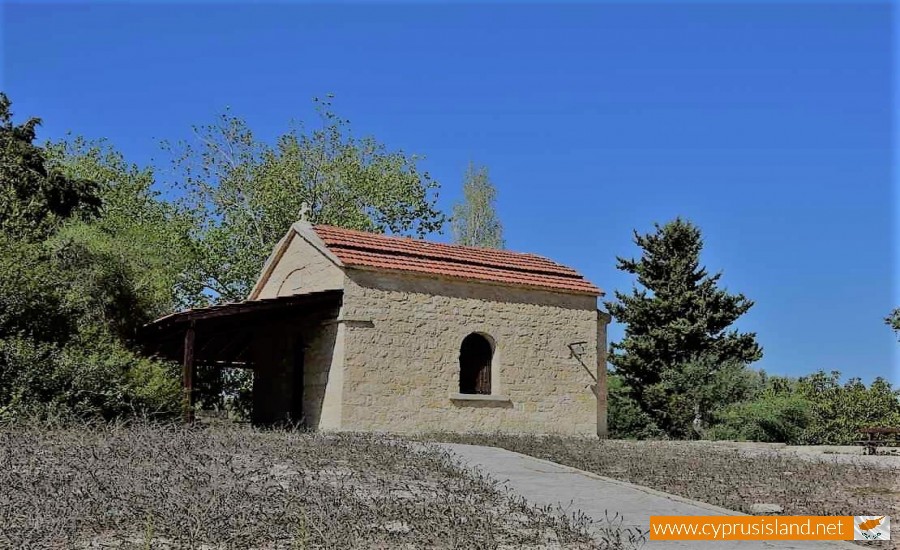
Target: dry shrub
x,y
169,486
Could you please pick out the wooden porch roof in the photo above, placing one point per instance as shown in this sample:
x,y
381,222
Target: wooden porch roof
x,y
223,333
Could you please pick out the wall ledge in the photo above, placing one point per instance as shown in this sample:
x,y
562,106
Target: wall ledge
x,y
478,397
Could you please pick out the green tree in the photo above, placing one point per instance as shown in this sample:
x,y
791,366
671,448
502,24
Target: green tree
x,y
815,410
771,418
34,198
678,358
242,194
840,410
626,419
70,299
474,221
135,226
893,320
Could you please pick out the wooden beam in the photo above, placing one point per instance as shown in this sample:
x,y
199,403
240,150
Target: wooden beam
x,y
226,351
326,301
187,375
213,344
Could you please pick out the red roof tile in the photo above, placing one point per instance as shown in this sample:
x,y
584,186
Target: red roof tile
x,y
370,250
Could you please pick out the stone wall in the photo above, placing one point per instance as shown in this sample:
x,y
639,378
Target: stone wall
x,y
323,376
401,356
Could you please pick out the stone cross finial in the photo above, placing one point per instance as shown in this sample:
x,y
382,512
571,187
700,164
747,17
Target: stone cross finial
x,y
304,211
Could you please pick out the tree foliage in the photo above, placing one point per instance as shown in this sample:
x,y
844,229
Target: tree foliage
x,y
243,194
33,197
137,227
817,409
840,410
625,417
893,321
773,412
70,300
474,221
678,357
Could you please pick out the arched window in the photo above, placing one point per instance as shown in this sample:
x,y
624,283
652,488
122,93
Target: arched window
x,y
475,356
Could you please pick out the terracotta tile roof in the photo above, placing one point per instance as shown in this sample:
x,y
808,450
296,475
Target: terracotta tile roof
x,y
373,251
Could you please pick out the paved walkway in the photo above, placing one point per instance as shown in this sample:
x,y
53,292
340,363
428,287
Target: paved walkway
x,y
543,483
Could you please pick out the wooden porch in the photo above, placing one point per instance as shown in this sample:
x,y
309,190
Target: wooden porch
x,y
265,336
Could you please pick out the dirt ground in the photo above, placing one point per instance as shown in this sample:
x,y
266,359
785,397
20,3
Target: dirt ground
x,y
887,457
158,486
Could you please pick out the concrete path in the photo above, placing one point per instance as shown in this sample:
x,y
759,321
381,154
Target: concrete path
x,y
543,483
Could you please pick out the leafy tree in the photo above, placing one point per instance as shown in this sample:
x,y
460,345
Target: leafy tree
x,y
678,357
66,313
474,221
772,418
29,305
816,409
242,194
135,225
34,198
893,320
70,299
694,390
840,410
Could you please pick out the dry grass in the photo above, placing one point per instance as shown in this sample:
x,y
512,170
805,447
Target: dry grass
x,y
146,486
721,476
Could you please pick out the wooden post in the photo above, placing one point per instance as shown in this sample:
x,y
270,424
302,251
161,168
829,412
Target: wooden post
x,y
187,375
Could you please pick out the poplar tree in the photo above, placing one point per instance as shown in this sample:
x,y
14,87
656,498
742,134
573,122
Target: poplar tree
x,y
474,221
893,321
679,358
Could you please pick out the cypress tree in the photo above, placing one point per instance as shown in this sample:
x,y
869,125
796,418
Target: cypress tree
x,y
678,357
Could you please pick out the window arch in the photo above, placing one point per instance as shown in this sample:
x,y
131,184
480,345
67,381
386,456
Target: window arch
x,y
475,356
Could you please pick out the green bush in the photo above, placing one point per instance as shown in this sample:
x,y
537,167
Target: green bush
x,y
625,418
812,410
770,418
66,316
100,379
840,410
815,410
86,257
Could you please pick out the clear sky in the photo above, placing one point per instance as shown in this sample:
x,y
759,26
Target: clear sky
x,y
769,125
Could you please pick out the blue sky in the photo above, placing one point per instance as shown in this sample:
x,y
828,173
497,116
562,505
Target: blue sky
x,y
769,125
